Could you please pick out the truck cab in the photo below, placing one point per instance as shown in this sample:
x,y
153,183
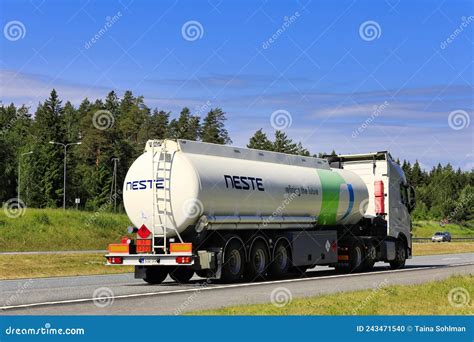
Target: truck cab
x,y
391,198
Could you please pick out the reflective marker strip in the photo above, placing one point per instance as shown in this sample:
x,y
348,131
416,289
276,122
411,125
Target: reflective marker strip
x,y
181,247
118,248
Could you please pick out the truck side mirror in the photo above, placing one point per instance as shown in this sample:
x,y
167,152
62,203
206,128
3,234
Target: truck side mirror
x,y
411,198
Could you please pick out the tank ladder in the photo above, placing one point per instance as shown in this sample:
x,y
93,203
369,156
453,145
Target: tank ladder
x,y
162,214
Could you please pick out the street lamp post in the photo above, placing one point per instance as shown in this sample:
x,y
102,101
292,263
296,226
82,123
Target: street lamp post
x,y
64,177
114,180
19,171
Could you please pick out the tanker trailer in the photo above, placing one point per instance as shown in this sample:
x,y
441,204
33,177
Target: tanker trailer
x,y
236,213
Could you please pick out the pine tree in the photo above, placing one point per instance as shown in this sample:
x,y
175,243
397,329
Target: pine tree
x,y
158,125
284,144
213,128
260,141
185,127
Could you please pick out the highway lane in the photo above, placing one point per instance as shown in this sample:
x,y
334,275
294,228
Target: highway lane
x,y
126,295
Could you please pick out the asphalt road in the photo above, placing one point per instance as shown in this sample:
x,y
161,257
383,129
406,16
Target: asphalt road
x,y
123,295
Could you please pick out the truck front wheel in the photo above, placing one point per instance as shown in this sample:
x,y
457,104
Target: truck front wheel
x,y
155,274
400,256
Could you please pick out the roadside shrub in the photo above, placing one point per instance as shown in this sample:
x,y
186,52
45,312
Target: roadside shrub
x,y
41,218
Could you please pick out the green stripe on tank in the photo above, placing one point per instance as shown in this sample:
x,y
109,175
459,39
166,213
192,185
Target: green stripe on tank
x,y
330,184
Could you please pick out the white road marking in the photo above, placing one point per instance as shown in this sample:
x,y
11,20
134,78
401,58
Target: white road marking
x,y
229,286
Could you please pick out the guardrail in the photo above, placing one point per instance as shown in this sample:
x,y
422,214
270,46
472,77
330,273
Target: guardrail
x,y
459,239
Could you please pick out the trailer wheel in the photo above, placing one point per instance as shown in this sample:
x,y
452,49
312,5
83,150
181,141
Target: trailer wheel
x,y
281,262
181,274
155,274
400,256
233,263
258,261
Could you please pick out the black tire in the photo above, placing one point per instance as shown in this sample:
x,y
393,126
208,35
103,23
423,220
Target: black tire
x,y
181,274
155,274
370,257
259,261
400,256
234,262
281,263
203,273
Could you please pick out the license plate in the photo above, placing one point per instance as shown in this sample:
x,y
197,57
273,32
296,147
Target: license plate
x,y
149,261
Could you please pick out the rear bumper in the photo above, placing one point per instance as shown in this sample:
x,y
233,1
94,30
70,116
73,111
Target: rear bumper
x,y
150,259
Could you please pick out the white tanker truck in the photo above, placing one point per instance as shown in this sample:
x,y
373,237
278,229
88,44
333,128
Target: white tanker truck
x,y
235,213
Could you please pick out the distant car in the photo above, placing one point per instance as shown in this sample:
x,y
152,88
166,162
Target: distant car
x,y
441,237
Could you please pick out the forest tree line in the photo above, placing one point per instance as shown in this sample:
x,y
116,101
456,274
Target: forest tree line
x,y
119,128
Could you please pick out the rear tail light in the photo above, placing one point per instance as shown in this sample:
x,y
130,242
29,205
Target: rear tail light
x,y
183,260
115,260
126,240
144,246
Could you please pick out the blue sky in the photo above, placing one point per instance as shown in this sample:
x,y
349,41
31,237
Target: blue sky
x,y
404,83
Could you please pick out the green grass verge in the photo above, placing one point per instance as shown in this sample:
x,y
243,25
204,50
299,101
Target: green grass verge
x,y
433,248
57,230
55,265
426,299
426,228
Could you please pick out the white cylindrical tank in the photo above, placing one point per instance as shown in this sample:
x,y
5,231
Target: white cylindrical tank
x,y
194,179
